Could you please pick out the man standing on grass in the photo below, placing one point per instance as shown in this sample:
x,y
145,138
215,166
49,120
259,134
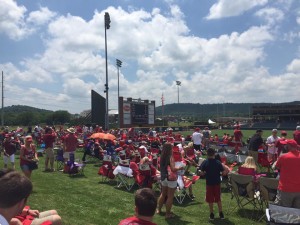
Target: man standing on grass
x,y
70,143
49,140
9,150
197,139
145,206
255,143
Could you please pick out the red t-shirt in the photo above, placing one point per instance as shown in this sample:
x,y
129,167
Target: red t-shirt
x,y
70,142
49,139
9,147
135,221
289,166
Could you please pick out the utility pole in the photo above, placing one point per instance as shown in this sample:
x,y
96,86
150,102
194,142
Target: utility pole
x,y
106,27
2,108
119,65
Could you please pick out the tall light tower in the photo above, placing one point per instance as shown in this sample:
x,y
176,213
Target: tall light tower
x,y
106,27
119,65
178,83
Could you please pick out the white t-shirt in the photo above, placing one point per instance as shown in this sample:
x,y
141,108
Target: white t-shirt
x,y
197,138
271,140
3,221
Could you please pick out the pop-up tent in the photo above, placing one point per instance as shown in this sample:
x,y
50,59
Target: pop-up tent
x,y
210,121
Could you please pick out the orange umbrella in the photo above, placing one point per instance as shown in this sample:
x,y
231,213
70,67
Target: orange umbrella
x,y
103,136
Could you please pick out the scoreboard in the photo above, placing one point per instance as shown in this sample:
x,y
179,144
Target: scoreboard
x,y
139,113
136,112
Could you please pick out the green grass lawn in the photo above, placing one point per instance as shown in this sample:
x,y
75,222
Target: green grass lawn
x,y
85,200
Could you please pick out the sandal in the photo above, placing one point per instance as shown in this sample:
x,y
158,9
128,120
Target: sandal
x,y
170,216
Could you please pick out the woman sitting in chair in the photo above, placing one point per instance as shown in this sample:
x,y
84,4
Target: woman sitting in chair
x,y
249,167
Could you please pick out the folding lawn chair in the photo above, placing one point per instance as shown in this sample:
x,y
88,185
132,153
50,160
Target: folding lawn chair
x,y
263,161
279,215
145,176
183,185
268,190
59,158
72,167
243,190
154,156
124,174
107,168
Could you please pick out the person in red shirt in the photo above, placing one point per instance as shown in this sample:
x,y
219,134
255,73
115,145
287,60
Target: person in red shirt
x,y
288,164
49,138
9,150
145,205
238,138
296,135
70,143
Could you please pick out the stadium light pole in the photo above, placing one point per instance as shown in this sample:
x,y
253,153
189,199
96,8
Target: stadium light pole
x,y
119,65
106,27
178,83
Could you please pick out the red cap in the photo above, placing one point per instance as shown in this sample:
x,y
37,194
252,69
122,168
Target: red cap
x,y
283,132
292,143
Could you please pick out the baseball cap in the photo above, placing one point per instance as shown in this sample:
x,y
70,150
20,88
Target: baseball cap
x,y
292,143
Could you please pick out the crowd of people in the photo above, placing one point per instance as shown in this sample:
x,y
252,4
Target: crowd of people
x,y
177,154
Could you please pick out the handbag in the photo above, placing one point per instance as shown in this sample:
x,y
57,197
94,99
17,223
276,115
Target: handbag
x,y
33,166
172,176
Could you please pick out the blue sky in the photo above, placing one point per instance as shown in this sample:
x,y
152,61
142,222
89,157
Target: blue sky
x,y
52,51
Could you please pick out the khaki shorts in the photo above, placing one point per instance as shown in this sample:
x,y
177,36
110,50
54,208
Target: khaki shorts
x,y
49,153
288,199
67,155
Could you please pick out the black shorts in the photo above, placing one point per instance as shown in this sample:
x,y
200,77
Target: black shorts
x,y
197,147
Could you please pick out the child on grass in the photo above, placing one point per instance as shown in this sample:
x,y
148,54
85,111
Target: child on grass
x,y
212,170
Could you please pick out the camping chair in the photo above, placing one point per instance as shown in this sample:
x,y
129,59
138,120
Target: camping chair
x,y
263,161
107,168
183,185
243,190
73,167
154,156
268,190
145,176
282,215
124,174
59,158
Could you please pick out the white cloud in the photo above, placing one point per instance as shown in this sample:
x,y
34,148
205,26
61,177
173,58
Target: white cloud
x,y
294,66
228,8
41,17
271,15
16,24
160,48
12,20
